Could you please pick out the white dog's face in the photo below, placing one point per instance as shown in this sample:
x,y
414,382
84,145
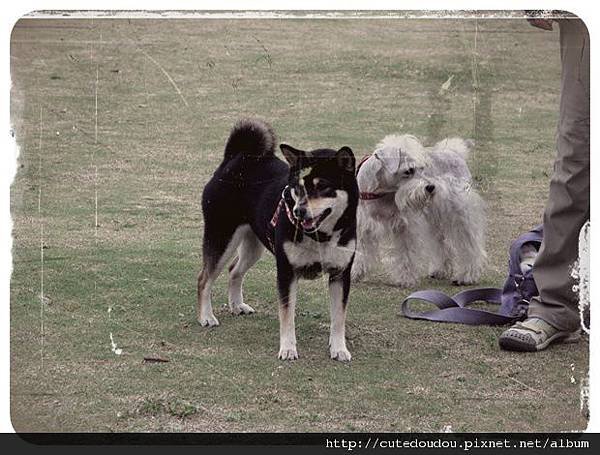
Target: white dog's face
x,y
400,163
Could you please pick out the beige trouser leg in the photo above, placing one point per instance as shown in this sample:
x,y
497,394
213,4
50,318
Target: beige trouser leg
x,y
568,205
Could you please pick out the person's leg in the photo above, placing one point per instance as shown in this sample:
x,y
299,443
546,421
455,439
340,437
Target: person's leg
x,y
568,204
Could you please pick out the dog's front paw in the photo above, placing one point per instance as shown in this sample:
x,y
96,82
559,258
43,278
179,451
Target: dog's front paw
x,y
208,321
463,282
241,308
438,275
465,279
404,282
288,353
342,355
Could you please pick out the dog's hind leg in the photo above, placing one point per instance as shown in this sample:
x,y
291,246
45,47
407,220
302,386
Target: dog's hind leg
x,y
217,251
249,251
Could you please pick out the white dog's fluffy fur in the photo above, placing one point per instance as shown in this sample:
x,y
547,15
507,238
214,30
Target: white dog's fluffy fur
x,y
426,219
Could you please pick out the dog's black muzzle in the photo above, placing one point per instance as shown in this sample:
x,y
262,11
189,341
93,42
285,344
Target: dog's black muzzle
x,y
300,212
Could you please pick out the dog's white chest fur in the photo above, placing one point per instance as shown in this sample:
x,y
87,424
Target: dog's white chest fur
x,y
329,254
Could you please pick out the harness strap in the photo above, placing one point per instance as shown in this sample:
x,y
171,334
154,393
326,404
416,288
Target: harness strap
x,y
316,236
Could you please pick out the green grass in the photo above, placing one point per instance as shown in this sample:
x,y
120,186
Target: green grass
x,y
142,159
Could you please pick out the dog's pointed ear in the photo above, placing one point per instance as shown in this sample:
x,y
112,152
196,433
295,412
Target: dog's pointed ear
x,y
292,155
345,159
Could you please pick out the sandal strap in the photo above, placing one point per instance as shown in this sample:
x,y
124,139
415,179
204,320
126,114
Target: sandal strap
x,y
535,325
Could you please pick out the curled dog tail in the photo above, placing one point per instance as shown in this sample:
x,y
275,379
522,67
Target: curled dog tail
x,y
252,137
461,147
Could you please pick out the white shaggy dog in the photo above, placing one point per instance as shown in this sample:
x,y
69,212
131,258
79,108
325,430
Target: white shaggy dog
x,y
418,213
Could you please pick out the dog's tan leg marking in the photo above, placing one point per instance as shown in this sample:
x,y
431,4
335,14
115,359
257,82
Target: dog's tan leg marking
x,y
204,311
249,251
337,334
287,328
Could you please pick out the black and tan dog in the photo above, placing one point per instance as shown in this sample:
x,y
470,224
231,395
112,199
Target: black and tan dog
x,y
304,213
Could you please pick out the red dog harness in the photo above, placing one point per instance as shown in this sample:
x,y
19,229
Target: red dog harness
x,y
275,218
